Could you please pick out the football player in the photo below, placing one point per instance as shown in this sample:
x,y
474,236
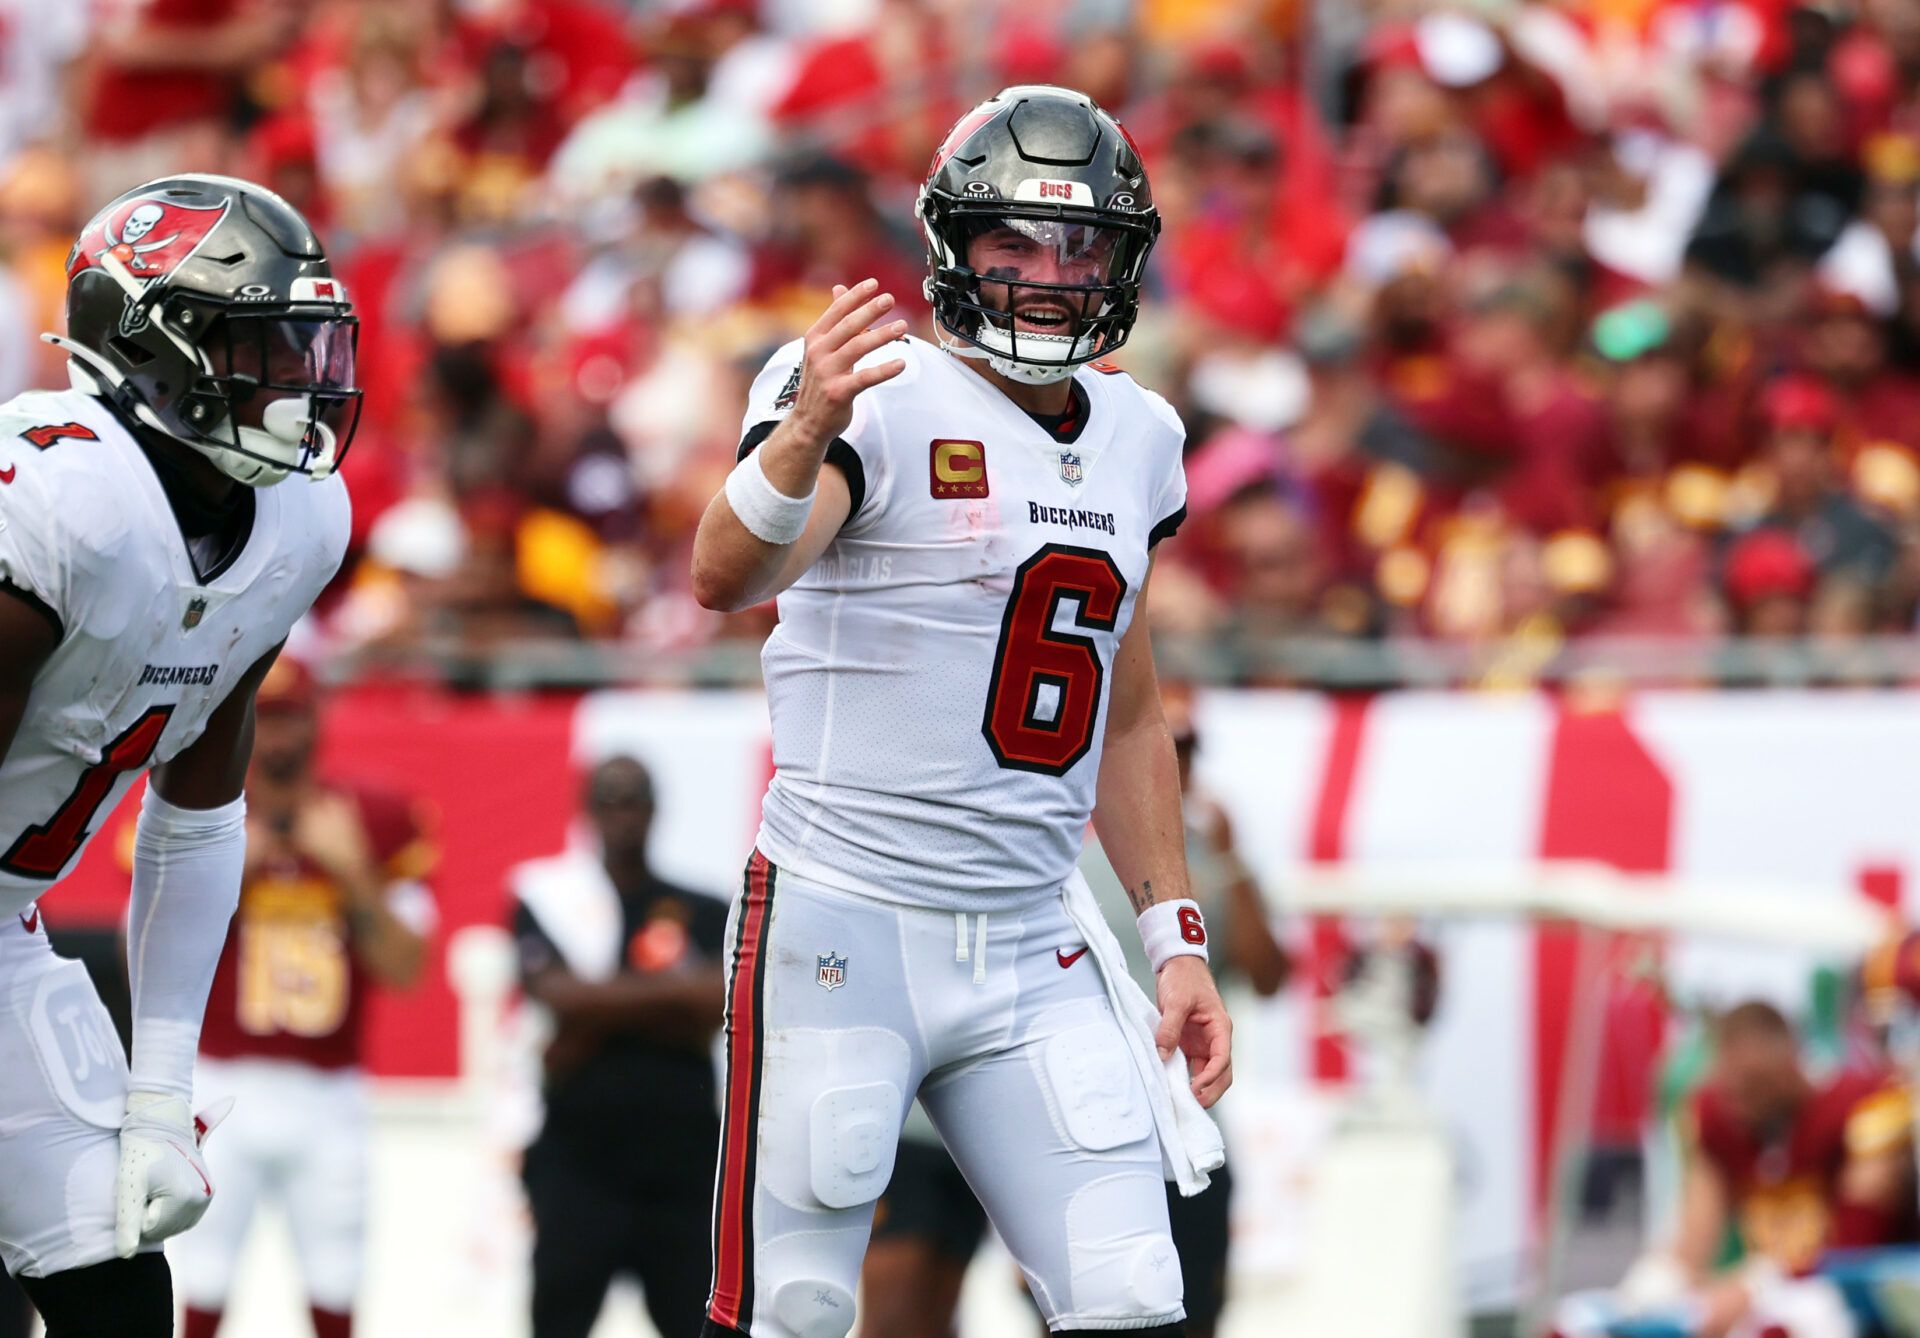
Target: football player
x,y
155,550
959,535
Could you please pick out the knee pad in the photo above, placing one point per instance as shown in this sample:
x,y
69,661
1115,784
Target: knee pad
x,y
1093,1087
809,1277
1120,1266
807,1308
122,1298
831,1106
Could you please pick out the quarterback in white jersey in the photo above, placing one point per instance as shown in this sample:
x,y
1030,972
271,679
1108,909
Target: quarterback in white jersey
x,y
959,536
148,576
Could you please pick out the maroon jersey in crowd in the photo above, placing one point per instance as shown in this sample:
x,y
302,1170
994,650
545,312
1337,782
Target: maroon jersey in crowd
x,y
289,985
1783,1190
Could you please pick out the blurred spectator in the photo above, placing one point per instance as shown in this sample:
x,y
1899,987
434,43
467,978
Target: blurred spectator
x,y
1836,534
40,46
1788,1166
626,968
168,80
1482,316
662,123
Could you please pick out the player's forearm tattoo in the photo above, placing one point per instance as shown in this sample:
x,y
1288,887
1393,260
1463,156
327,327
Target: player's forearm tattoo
x,y
1142,896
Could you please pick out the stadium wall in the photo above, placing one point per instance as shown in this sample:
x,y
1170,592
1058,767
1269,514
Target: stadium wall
x,y
1812,789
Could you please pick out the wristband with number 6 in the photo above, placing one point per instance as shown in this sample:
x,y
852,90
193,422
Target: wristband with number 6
x,y
1172,929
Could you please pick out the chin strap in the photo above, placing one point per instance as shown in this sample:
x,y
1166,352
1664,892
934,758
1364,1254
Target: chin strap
x,y
1033,374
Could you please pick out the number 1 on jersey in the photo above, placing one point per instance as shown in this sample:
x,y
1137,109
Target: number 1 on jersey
x,y
1034,656
44,848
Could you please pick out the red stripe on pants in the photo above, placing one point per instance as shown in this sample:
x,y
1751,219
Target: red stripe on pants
x,y
734,1212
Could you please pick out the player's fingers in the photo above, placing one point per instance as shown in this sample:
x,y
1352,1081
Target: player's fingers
x,y
1173,1021
1208,1090
1214,1075
844,299
129,1211
835,341
868,340
873,376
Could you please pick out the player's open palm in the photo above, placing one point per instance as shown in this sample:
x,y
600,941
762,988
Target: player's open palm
x,y
833,345
1193,1018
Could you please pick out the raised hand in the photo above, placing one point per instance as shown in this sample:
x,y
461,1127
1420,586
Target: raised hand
x,y
829,379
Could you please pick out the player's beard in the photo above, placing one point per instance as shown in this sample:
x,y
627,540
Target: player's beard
x,y
1034,312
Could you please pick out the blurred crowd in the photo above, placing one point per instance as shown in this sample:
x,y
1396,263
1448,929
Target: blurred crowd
x,y
1505,321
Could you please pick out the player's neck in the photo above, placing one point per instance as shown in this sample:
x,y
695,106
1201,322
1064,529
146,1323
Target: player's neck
x,y
1050,400
628,870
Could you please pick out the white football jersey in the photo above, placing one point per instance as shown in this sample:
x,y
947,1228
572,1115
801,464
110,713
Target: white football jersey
x,y
146,650
938,680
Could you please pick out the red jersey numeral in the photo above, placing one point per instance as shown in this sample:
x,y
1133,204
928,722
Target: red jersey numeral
x,y
43,850
1192,928
44,437
1034,656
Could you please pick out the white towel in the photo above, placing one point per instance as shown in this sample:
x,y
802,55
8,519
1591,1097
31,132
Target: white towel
x,y
1190,1145
577,907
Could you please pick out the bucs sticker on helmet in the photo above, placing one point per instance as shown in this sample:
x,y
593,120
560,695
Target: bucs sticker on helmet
x,y
150,237
1049,191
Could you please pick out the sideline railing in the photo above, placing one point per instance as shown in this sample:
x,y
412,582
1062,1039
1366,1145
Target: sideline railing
x,y
1310,662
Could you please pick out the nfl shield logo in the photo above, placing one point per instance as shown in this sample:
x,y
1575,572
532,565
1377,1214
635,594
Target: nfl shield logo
x,y
833,971
196,610
1070,470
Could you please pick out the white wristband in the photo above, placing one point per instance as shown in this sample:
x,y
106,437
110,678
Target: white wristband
x,y
1171,929
767,512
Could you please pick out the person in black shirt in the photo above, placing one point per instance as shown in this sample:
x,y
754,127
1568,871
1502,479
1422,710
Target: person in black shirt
x,y
629,969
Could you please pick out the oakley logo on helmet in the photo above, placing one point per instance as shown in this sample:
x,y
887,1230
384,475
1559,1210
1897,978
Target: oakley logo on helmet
x,y
979,188
151,238
1122,200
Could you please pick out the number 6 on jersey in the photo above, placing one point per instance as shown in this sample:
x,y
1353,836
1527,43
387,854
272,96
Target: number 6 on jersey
x,y
1033,656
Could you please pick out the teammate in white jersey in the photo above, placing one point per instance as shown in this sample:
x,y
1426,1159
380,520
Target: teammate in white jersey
x,y
148,576
959,536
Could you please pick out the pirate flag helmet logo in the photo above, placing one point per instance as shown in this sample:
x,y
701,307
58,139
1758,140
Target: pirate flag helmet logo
x,y
204,308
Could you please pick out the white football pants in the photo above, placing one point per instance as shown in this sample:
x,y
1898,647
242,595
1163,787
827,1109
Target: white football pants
x,y
839,1009
63,1088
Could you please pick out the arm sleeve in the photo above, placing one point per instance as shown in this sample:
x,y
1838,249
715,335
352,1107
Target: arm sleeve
x,y
857,455
186,884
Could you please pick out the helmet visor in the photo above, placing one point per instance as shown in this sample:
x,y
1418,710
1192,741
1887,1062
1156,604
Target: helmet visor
x,y
1049,251
1045,291
282,353
266,359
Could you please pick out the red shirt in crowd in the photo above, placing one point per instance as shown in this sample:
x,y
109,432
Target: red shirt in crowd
x,y
128,104
289,985
1784,1190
